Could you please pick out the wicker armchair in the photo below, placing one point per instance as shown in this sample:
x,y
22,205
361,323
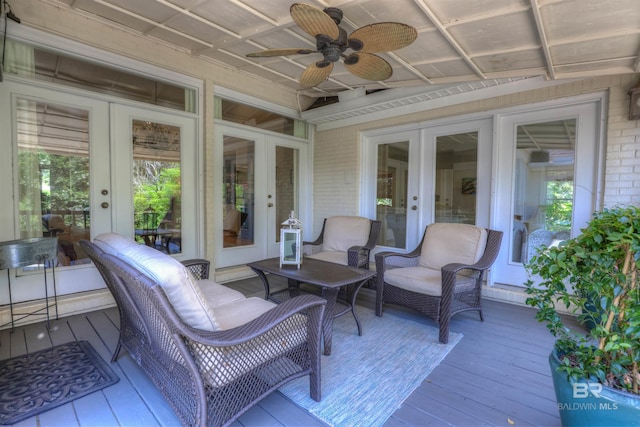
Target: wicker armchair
x,y
442,276
131,323
346,240
211,376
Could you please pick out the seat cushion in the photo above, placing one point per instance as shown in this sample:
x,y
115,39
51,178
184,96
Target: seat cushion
x,y
178,284
417,279
445,243
343,232
239,312
217,294
113,243
331,256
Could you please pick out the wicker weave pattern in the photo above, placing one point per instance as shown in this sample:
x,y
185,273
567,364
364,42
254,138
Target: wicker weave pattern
x,y
198,267
255,358
133,330
385,36
461,285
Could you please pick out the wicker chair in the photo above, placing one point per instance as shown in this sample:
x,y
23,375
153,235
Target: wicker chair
x,y
346,240
211,377
131,323
442,276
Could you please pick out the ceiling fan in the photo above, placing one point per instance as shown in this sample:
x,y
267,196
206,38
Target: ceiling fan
x,y
332,41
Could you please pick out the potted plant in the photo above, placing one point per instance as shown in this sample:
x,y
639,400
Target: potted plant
x,y
595,275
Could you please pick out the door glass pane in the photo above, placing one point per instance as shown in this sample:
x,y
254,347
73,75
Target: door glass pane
x,y
53,176
157,185
543,187
238,192
286,185
456,175
391,193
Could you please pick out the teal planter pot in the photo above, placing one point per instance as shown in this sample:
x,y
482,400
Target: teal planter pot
x,y
584,403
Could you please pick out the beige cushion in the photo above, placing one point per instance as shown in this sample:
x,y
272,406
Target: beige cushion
x,y
343,232
445,243
335,257
217,295
178,284
113,243
417,279
239,312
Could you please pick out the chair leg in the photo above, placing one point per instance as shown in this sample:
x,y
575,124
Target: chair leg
x,y
116,352
444,330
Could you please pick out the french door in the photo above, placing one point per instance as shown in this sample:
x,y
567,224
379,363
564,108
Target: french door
x,y
155,177
439,173
258,183
547,183
70,172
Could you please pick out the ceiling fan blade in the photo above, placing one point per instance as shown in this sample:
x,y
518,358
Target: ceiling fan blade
x,y
382,37
368,66
315,74
279,52
313,20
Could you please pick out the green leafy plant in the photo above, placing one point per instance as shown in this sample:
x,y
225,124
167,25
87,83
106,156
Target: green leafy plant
x,y
594,275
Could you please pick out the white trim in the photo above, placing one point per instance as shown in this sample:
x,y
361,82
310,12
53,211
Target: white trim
x,y
398,102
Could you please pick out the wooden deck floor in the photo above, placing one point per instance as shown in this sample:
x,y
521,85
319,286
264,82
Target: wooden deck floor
x,y
497,375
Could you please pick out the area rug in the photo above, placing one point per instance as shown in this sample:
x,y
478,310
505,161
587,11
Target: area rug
x,y
366,378
40,381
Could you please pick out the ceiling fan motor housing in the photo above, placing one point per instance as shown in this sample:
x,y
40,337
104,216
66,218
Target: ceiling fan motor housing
x,y
332,49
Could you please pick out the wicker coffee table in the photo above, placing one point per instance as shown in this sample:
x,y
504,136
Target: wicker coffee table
x,y
328,276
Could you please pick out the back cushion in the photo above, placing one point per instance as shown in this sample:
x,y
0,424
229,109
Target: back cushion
x,y
177,282
343,232
445,243
112,243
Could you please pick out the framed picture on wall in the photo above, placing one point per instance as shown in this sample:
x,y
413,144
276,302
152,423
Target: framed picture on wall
x,y
468,185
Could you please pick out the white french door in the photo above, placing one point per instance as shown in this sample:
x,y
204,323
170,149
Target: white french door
x,y
439,173
546,183
257,184
155,178
66,126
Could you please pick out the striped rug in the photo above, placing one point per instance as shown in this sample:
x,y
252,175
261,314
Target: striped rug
x,y
366,378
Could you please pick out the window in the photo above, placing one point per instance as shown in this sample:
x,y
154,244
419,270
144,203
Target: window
x,y
53,176
41,64
255,117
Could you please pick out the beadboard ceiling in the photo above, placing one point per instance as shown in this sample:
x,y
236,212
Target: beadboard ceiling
x,y
459,41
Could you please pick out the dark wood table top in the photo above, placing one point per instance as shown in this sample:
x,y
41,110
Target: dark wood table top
x,y
315,272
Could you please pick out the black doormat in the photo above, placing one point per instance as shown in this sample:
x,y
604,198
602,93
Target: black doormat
x,y
40,381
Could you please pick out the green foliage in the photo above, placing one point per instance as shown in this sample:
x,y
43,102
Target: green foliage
x,y
595,275
560,207
154,183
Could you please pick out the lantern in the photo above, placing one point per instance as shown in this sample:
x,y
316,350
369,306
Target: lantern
x,y
291,241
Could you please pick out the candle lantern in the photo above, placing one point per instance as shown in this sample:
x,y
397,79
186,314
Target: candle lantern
x,y
291,241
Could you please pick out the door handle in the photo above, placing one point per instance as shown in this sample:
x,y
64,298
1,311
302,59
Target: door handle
x,y
105,205
270,205
414,207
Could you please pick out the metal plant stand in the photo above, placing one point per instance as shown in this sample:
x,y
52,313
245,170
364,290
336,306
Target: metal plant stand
x,y
21,253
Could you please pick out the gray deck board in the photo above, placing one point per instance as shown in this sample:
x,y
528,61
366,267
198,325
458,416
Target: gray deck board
x,y
497,374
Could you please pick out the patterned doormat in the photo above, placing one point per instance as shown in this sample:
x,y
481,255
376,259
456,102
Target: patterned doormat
x,y
40,381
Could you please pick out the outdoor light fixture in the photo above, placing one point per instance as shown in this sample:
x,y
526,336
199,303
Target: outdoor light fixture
x,y
634,103
291,241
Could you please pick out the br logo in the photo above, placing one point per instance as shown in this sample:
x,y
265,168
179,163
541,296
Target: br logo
x,y
582,390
